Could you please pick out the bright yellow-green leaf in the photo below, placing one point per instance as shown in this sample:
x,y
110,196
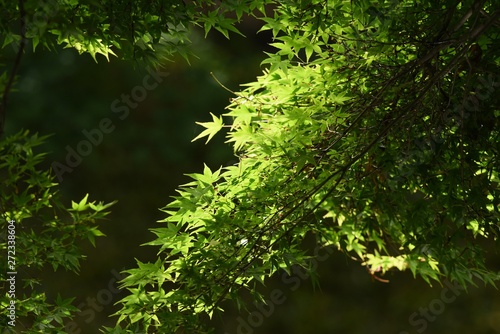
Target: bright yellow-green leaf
x,y
211,128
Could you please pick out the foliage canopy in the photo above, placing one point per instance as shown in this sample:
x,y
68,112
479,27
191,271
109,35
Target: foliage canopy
x,y
374,128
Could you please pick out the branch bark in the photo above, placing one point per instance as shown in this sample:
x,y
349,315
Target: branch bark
x,y
15,68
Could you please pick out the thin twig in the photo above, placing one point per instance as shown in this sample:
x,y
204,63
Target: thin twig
x,y
221,84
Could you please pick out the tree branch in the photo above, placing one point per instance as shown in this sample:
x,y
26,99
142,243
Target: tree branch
x,y
15,68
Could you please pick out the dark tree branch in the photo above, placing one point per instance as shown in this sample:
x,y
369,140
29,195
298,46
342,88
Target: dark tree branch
x,y
15,68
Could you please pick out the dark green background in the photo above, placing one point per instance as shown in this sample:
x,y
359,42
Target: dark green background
x,y
144,159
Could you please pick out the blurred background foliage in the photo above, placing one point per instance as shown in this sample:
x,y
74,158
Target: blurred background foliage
x,y
144,159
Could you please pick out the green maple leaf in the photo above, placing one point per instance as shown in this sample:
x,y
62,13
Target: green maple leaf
x,y
211,128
